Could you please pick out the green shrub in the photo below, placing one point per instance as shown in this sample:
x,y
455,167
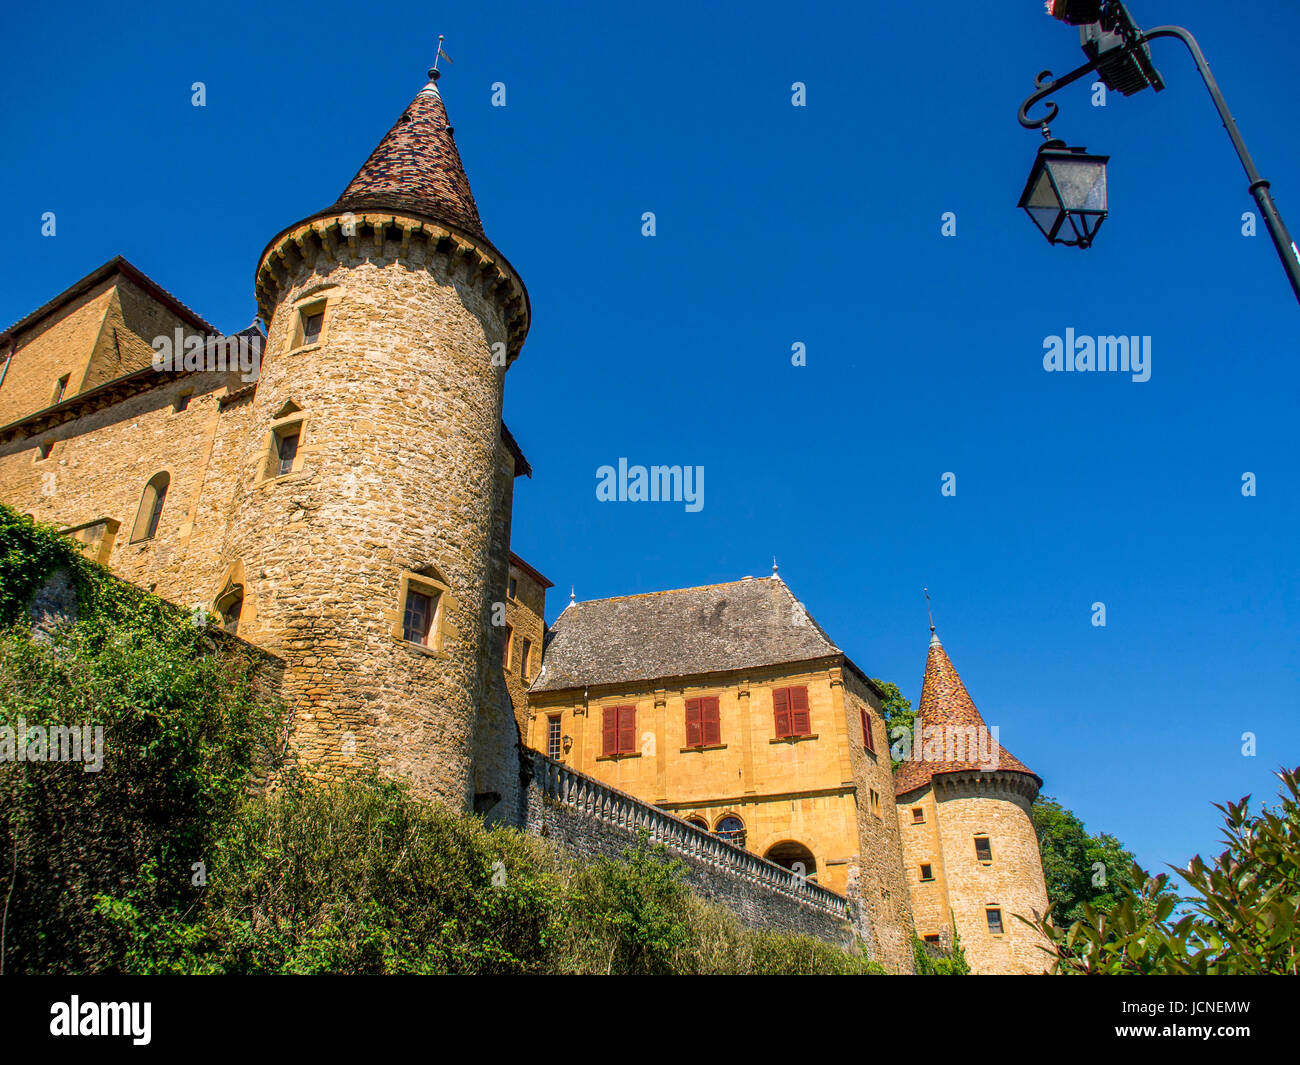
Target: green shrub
x,y
1243,919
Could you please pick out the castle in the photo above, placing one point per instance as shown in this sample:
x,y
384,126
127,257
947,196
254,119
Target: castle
x,y
338,490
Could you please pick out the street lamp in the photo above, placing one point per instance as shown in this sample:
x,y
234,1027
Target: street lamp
x,y
1065,195
1117,49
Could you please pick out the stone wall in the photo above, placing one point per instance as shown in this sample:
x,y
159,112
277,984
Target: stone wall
x,y
592,820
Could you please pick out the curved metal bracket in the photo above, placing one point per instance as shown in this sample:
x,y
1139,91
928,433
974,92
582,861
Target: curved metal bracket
x,y
1046,87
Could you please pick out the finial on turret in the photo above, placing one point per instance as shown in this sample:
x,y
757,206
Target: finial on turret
x,y
774,565
933,637
572,596
440,54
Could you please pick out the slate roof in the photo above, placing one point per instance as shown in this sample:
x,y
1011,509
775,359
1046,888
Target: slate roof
x,y
718,627
945,701
417,169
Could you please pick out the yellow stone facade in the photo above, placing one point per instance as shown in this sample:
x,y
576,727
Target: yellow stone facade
x,y
823,799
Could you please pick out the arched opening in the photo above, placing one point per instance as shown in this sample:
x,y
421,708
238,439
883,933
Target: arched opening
x,y
731,828
793,856
230,606
698,822
151,507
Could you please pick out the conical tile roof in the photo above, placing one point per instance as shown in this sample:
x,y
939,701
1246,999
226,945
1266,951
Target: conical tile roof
x,y
945,703
417,169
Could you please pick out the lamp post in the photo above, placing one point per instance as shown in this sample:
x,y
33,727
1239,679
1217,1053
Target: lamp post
x,y
1118,49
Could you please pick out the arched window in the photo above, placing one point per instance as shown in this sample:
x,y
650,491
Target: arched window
x,y
793,856
151,507
230,606
698,822
732,829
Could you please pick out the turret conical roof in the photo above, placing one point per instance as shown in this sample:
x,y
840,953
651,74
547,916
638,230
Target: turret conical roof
x,y
417,169
946,703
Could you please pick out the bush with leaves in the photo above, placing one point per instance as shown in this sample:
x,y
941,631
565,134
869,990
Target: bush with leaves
x,y
1243,916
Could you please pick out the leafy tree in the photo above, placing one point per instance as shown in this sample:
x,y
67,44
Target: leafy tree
x,y
897,711
1078,866
1244,917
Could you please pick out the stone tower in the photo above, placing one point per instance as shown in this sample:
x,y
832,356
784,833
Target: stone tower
x,y
370,534
969,845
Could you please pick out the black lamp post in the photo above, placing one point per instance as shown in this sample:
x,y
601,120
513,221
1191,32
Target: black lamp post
x,y
1065,195
1117,49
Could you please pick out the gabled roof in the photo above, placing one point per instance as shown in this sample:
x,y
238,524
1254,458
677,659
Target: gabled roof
x,y
715,628
417,169
115,265
945,702
535,574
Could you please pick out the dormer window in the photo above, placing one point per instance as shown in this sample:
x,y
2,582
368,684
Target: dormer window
x,y
60,386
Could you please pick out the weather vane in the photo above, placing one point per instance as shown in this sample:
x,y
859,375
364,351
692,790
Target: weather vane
x,y
440,55
927,607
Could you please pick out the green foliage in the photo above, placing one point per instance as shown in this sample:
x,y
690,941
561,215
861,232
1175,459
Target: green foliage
x,y
1071,857
1243,919
897,711
29,553
167,861
931,960
182,724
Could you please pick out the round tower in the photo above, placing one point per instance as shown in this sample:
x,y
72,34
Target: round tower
x,y
373,461
968,839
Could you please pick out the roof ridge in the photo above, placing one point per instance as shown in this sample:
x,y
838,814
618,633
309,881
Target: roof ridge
x,y
675,591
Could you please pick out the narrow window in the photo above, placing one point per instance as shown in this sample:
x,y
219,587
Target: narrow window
x,y
312,318
417,617
918,815
513,590
510,639
553,737
618,732
875,802
994,915
926,872
60,386
867,742
286,450
790,707
151,508
703,726
525,653
983,849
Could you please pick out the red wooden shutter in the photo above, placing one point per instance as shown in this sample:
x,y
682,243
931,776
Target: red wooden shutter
x,y
627,730
781,707
694,733
799,721
712,729
866,731
609,731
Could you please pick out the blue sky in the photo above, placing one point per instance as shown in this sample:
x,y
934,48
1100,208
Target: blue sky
x,y
818,225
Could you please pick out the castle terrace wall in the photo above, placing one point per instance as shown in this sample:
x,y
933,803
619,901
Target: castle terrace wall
x,y
592,820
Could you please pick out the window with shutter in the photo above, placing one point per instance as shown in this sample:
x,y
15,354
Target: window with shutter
x,y
710,722
703,727
609,731
866,731
694,725
627,730
781,708
790,707
618,730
